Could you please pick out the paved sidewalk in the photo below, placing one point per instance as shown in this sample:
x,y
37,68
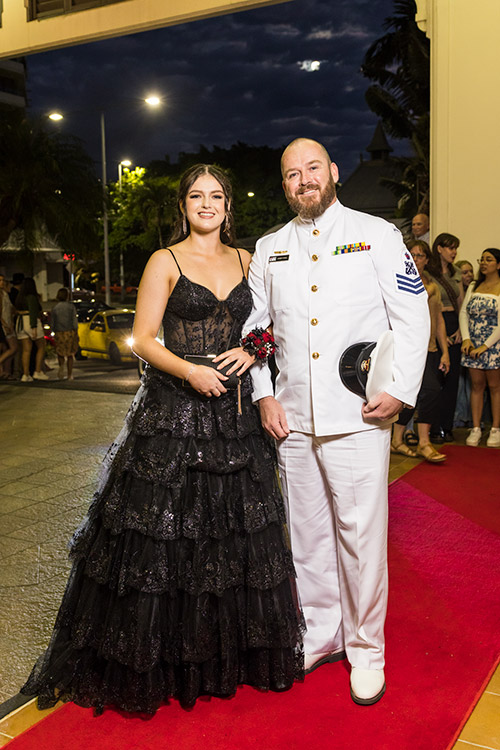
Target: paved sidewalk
x,y
51,446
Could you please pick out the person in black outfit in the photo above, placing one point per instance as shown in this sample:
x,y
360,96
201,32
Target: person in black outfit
x,y
182,582
449,280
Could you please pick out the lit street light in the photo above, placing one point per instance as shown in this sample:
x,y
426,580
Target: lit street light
x,y
123,163
151,101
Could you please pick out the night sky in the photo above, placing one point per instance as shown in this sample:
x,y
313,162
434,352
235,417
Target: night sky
x,y
243,77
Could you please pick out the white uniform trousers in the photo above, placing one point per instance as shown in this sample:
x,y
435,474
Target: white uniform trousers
x,y
335,491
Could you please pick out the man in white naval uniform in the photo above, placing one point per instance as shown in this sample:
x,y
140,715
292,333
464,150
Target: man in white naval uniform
x,y
330,278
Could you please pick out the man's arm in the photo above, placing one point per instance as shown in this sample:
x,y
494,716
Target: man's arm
x,y
259,318
406,304
273,418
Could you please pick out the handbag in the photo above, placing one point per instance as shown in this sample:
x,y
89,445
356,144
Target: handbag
x,y
208,361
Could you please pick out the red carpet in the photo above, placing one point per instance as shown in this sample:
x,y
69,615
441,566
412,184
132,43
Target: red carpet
x,y
442,644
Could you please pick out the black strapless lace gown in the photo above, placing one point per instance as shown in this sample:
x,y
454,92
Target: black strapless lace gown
x,y
182,582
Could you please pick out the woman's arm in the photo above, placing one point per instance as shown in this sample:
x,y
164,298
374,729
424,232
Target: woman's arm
x,y
492,338
440,328
152,297
463,319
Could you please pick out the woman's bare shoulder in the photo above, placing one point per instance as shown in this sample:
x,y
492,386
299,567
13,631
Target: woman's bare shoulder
x,y
245,256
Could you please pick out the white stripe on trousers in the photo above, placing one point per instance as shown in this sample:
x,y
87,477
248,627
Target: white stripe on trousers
x,y
335,491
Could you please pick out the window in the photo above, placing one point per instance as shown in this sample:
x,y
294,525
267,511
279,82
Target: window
x,y
38,9
120,320
98,324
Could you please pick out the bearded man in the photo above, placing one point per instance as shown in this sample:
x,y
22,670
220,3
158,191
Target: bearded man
x,y
330,278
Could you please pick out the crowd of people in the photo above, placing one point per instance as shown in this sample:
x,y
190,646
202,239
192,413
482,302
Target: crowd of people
x,y
22,339
185,579
461,381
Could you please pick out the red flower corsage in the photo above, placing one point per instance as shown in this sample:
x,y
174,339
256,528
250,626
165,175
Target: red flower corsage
x,y
259,343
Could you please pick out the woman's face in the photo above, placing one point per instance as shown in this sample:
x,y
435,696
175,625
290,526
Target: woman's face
x,y
467,274
205,204
488,263
448,254
419,257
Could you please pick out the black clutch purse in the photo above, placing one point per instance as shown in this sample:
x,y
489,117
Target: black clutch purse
x,y
208,361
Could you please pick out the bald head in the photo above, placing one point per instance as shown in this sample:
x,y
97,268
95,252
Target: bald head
x,y
419,225
309,178
300,143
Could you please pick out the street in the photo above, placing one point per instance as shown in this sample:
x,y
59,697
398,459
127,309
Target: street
x,y
91,375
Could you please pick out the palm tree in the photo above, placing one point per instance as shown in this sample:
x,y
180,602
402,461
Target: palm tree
x,y
47,186
399,63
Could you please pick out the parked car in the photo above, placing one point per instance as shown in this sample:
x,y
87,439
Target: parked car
x,y
108,335
86,309
79,295
116,288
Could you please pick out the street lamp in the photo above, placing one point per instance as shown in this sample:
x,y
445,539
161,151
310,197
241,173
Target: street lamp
x,y
123,163
153,100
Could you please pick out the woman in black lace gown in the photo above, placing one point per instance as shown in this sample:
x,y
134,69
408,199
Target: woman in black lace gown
x,y
182,583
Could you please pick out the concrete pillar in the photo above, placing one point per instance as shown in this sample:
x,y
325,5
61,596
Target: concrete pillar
x,y
465,115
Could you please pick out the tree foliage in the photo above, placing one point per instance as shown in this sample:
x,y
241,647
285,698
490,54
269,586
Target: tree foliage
x,y
142,213
47,187
399,64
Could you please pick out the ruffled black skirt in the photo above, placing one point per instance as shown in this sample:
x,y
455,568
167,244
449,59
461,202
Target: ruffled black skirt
x,y
182,582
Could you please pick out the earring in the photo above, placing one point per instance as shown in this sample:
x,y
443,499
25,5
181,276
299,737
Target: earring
x,y
184,224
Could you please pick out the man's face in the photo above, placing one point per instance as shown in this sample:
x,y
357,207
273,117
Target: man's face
x,y
419,225
308,179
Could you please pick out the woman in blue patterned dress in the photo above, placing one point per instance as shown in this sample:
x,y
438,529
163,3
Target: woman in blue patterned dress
x,y
480,329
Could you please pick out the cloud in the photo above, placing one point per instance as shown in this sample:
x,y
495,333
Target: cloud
x,y
351,31
282,29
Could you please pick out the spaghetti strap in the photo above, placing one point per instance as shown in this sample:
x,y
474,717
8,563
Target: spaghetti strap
x,y
178,266
241,264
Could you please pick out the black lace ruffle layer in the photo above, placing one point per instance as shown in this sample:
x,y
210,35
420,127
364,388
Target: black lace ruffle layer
x,y
181,583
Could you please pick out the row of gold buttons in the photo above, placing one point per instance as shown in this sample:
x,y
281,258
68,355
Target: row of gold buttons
x,y
314,288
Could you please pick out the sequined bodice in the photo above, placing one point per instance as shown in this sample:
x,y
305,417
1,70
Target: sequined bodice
x,y
197,322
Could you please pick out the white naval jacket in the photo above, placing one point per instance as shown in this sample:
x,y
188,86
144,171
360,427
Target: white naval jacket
x,y
321,296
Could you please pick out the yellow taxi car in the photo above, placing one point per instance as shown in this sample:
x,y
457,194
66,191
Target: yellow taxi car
x,y
108,335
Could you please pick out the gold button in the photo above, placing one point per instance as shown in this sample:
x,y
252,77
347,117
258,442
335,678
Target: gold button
x,y
315,355
315,232
314,257
314,322
314,288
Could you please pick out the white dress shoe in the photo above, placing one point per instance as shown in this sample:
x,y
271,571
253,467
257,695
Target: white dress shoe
x,y
367,685
313,661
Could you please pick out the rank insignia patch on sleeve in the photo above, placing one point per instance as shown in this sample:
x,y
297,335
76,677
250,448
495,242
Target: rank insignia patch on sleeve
x,y
410,268
409,285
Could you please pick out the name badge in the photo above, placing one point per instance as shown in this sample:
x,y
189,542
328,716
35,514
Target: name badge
x,y
275,258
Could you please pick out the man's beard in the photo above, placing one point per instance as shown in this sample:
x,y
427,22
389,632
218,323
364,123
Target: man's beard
x,y
314,208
